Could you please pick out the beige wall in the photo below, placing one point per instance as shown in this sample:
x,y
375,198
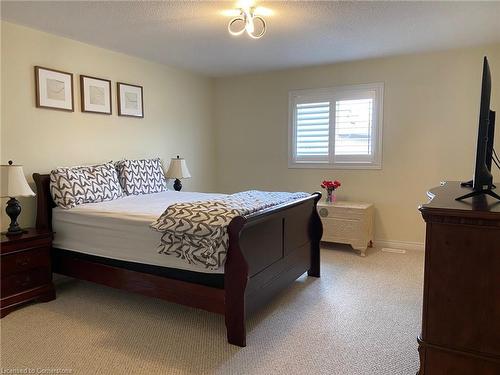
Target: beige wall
x,y
178,111
430,122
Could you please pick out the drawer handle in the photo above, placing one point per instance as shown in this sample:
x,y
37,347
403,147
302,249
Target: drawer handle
x,y
23,261
24,282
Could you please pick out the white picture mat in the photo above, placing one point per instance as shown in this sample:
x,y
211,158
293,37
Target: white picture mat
x,y
43,77
124,90
105,85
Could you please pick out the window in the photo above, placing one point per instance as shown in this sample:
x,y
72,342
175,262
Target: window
x,y
339,127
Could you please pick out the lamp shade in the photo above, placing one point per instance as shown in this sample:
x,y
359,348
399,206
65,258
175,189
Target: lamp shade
x,y
13,183
178,169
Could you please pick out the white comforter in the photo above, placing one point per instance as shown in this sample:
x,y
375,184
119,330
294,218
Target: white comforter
x,y
120,229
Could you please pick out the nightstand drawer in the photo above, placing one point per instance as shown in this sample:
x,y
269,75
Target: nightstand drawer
x,y
25,260
13,246
345,214
334,228
340,212
25,280
25,269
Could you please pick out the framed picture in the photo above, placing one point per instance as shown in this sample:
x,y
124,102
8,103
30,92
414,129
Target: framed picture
x,y
95,95
53,89
130,102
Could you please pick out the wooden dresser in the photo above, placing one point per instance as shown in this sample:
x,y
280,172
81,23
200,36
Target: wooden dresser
x,y
461,306
25,269
347,222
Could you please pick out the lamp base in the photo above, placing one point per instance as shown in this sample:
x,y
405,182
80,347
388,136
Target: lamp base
x,y
13,210
177,185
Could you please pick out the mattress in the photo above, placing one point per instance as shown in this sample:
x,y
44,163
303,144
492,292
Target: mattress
x,y
119,229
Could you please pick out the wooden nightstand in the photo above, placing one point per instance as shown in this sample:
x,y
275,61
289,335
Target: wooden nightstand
x,y
347,222
26,273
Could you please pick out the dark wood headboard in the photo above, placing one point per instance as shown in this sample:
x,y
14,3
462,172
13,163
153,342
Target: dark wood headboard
x,y
44,203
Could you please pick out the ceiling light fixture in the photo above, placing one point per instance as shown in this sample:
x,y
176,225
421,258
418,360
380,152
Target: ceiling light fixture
x,y
246,21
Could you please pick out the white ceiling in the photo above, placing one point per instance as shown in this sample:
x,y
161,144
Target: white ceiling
x,y
192,35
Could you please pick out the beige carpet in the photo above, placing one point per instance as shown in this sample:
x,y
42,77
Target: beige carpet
x,y
361,317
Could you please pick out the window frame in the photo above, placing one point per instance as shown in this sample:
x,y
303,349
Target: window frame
x,y
333,94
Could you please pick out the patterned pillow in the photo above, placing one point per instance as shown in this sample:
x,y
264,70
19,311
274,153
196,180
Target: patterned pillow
x,y
141,176
76,185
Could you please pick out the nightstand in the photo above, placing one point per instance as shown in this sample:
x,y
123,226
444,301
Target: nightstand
x,y
26,273
347,222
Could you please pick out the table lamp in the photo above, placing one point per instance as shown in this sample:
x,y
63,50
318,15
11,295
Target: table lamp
x,y
178,169
13,184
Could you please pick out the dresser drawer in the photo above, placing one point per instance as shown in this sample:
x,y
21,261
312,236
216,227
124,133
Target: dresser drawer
x,y
24,280
25,260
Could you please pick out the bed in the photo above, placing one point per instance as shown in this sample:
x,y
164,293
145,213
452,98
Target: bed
x,y
110,243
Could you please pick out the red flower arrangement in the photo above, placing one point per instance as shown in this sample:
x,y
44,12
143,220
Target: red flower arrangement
x,y
330,187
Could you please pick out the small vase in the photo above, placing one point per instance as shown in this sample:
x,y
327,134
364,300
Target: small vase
x,y
330,196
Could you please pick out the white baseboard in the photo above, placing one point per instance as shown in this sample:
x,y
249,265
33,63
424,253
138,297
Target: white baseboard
x,y
403,245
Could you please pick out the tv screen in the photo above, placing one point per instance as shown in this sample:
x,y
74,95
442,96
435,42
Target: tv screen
x,y
482,182
482,174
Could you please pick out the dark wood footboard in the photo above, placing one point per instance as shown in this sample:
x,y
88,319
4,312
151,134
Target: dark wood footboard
x,y
268,250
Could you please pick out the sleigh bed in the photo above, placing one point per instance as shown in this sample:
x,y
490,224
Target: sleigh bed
x,y
268,250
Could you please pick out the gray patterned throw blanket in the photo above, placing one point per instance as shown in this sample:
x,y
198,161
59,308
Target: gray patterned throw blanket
x,y
197,231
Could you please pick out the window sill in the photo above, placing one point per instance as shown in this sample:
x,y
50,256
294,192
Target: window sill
x,y
295,165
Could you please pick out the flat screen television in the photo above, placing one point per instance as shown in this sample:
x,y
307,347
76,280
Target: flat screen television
x,y
482,182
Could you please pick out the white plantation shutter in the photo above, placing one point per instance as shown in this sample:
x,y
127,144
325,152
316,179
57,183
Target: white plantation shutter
x,y
313,130
353,127
336,128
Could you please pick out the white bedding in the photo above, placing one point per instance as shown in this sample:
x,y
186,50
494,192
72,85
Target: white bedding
x,y
119,229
